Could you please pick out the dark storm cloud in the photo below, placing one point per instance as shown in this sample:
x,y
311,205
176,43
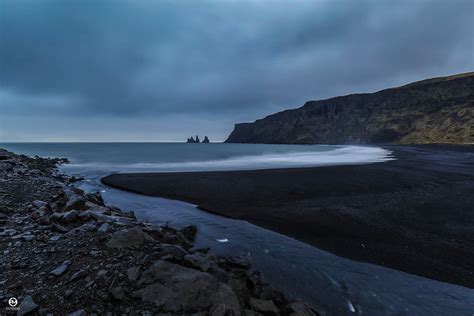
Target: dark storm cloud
x,y
218,60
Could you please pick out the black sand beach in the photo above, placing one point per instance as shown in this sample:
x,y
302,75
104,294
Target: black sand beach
x,y
414,214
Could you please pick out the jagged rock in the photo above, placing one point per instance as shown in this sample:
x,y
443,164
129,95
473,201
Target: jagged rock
x,y
236,262
59,270
133,273
131,237
27,305
265,307
301,309
78,275
175,287
74,202
79,312
189,232
104,228
199,261
175,251
118,293
95,198
66,217
59,228
206,140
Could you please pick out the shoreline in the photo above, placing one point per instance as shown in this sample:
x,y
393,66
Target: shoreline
x,y
66,251
410,214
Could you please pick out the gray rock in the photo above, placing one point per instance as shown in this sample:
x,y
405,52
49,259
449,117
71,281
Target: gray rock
x,y
75,202
265,307
176,251
175,287
78,275
66,217
133,273
59,270
79,312
27,305
199,261
118,293
301,309
189,232
59,228
39,204
104,228
70,216
131,237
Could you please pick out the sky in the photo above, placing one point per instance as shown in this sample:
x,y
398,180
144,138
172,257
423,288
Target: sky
x,y
98,70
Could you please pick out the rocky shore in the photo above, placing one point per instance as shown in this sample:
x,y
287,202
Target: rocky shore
x,y
65,252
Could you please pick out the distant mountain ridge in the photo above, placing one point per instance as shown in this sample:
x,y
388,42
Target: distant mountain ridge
x,y
437,110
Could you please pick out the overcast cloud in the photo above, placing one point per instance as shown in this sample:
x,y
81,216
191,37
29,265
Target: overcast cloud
x,y
163,70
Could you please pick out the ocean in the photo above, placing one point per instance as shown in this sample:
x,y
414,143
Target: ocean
x,y
174,157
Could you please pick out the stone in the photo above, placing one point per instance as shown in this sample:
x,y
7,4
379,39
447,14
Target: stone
x,y
133,273
130,237
175,251
189,232
266,307
59,228
79,312
27,305
66,217
95,198
75,202
174,287
78,275
198,261
118,293
104,228
301,309
59,270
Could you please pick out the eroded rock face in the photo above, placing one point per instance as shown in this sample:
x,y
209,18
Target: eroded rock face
x,y
439,110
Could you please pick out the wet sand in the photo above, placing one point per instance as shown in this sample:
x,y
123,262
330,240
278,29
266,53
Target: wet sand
x,y
414,214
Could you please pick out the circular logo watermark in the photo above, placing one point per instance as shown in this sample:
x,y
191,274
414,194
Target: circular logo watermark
x,y
13,302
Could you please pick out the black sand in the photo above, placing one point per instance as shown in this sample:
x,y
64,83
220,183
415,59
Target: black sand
x,y
414,214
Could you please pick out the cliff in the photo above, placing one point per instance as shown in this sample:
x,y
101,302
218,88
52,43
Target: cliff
x,y
438,110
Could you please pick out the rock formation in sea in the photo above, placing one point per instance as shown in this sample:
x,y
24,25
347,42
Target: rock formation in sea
x,y
438,110
65,252
206,140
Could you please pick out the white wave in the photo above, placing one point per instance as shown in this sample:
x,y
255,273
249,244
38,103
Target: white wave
x,y
347,155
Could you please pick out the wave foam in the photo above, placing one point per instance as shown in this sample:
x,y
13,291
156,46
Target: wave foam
x,y
347,155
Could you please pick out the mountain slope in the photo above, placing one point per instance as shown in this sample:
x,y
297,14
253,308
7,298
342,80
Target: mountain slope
x,y
438,110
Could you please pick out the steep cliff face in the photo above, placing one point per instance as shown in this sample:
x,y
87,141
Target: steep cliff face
x,y
439,110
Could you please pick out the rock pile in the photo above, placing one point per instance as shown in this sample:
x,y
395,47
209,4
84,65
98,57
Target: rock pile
x,y
66,252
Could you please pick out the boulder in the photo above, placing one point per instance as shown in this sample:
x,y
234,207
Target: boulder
x,y
189,232
27,306
176,288
130,237
266,307
95,198
301,309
